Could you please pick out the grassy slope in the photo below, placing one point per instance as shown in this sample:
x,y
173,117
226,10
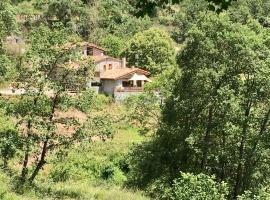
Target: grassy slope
x,y
84,189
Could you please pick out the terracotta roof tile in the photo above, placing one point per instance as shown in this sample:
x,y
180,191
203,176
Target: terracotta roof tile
x,y
115,74
92,45
101,58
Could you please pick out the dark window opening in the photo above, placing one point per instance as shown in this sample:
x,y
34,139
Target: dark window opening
x,y
139,83
89,51
96,84
127,83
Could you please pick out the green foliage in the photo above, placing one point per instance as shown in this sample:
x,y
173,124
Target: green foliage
x,y
10,141
143,111
89,100
162,83
262,195
7,26
63,10
149,7
196,187
242,11
7,19
152,50
186,17
219,110
114,45
96,161
46,74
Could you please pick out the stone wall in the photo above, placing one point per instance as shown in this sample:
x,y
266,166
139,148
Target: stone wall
x,y
120,96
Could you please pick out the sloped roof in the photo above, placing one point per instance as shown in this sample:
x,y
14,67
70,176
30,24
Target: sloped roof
x,y
115,74
101,58
70,45
92,45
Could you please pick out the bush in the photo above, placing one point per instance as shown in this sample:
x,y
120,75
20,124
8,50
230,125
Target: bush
x,y
197,187
10,141
92,164
90,100
113,44
152,50
248,195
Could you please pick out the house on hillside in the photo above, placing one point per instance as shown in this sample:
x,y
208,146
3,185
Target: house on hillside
x,y
112,76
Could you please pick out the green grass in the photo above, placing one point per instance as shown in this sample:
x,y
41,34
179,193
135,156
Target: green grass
x,y
70,191
88,191
86,166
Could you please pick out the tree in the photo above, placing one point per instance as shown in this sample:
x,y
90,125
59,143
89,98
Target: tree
x,y
152,50
197,187
47,71
241,11
217,120
7,26
143,111
63,10
117,19
186,17
113,44
10,141
149,6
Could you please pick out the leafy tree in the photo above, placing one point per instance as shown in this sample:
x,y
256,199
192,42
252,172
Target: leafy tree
x,y
262,194
116,18
73,14
216,121
186,17
113,44
143,111
149,6
63,10
242,11
7,26
152,50
46,73
197,187
10,141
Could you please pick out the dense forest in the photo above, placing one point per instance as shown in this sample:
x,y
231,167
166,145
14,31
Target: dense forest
x,y
200,129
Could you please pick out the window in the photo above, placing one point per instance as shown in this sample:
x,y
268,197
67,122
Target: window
x,y
89,51
139,83
127,83
95,84
104,67
110,66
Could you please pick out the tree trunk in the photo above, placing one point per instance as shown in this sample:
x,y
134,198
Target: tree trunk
x,y
41,162
239,170
26,154
223,158
251,162
206,138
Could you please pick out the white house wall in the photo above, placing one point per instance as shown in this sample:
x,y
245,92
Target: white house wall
x,y
109,85
115,64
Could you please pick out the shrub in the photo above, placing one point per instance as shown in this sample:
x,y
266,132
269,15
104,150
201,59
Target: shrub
x,y
152,50
196,187
113,44
90,100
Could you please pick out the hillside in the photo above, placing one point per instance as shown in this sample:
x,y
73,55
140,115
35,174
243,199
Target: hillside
x,y
134,100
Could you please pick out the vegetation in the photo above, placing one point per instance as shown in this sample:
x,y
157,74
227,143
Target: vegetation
x,y
200,129
151,49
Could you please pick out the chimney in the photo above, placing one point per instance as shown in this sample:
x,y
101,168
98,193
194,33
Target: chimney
x,y
124,62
